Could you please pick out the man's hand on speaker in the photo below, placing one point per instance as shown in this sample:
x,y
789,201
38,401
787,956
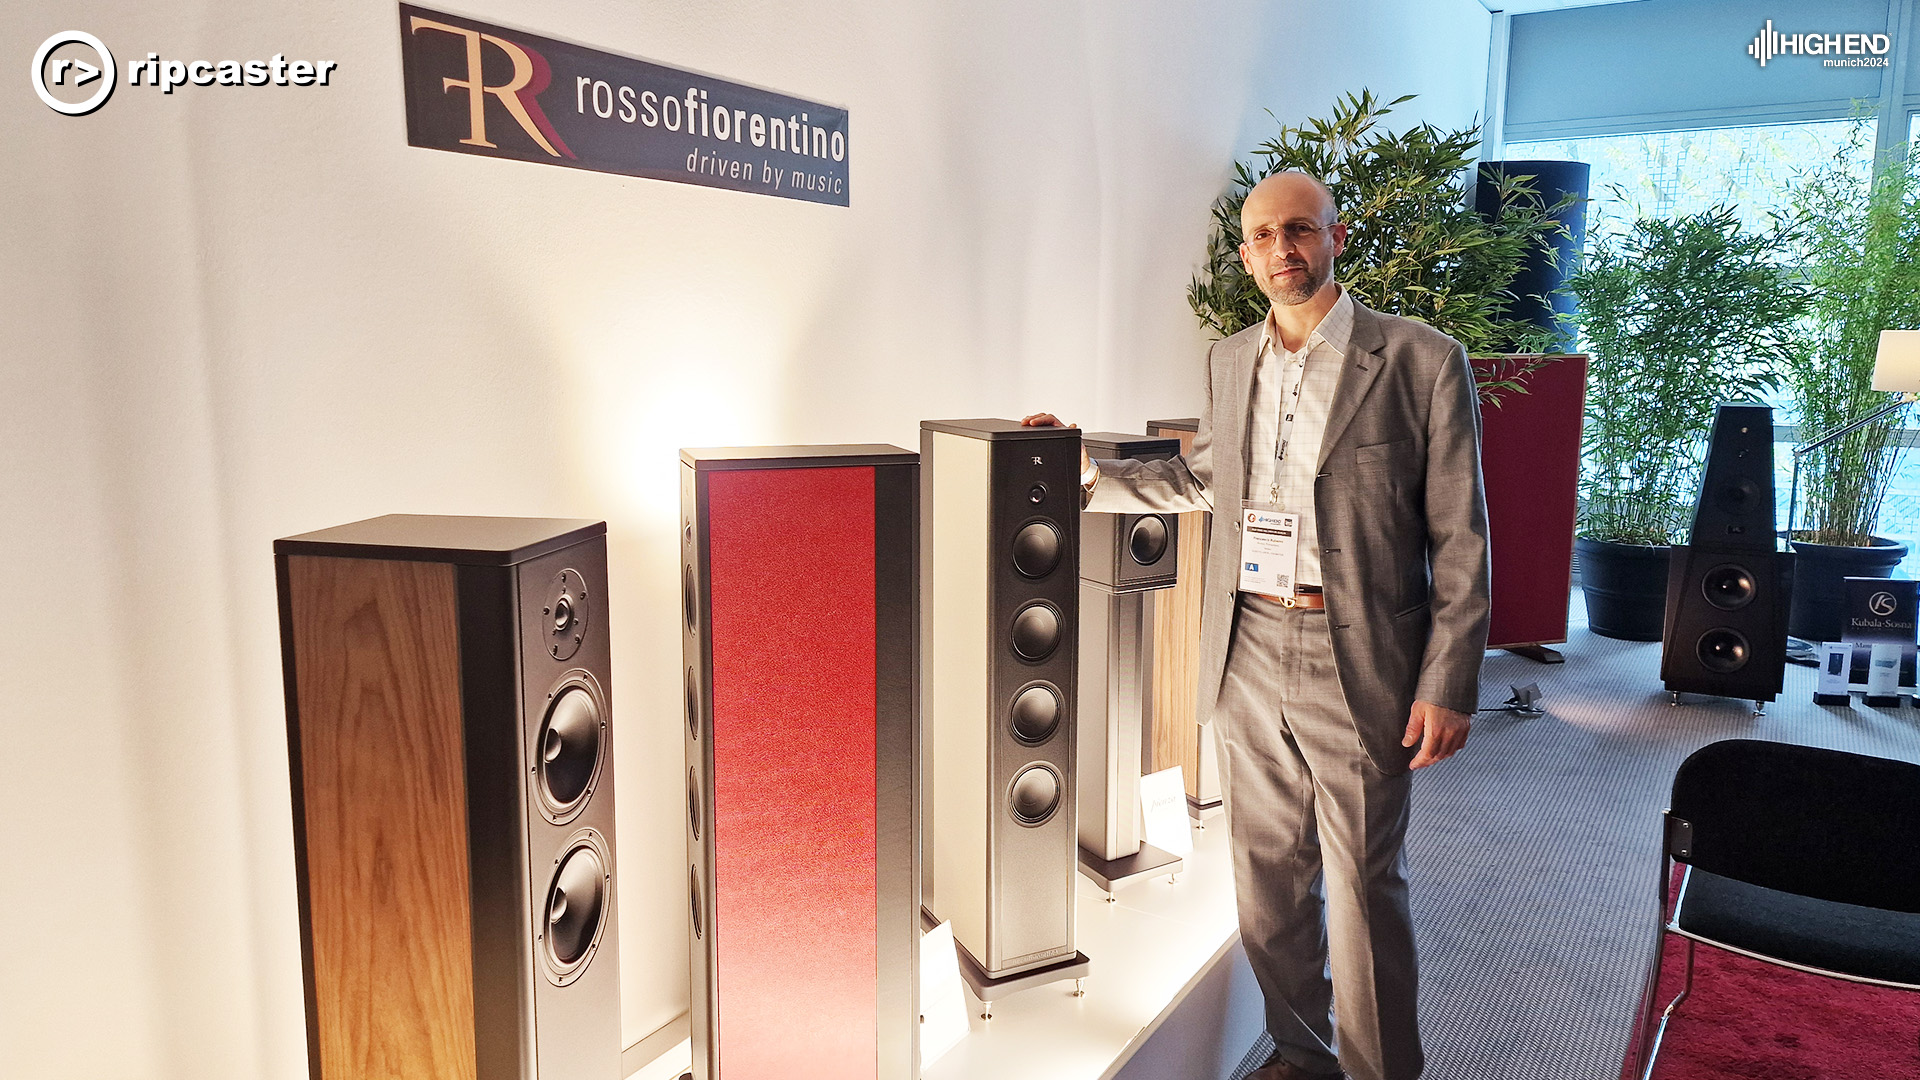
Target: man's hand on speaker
x,y
1439,731
1047,419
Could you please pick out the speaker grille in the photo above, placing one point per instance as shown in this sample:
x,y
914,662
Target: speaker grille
x,y
1723,650
1036,713
570,747
576,908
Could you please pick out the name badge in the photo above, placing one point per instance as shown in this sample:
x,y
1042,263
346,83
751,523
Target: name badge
x,y
1269,550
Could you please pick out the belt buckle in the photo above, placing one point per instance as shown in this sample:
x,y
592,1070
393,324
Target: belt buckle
x,y
1288,601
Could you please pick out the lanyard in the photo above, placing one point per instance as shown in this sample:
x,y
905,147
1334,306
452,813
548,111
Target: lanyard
x,y
1289,403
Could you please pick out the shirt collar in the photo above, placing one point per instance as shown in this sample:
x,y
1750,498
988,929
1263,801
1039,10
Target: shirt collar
x,y
1335,329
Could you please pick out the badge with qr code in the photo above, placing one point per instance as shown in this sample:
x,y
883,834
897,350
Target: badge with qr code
x,y
1269,549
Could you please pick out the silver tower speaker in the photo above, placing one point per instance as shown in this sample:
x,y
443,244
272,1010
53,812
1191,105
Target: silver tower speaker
x,y
1126,562
1000,545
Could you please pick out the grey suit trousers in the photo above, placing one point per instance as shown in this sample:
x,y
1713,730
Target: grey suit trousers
x,y
1316,831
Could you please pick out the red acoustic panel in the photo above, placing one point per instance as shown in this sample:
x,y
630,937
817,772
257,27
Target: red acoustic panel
x,y
794,759
1530,457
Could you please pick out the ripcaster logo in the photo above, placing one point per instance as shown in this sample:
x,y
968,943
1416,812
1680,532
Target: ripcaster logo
x,y
531,76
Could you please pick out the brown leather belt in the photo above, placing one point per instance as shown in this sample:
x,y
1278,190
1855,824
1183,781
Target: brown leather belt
x,y
1305,597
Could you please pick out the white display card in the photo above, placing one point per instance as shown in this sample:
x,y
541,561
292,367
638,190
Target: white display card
x,y
1269,549
1163,805
943,999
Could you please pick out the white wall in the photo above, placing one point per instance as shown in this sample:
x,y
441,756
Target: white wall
x,y
232,315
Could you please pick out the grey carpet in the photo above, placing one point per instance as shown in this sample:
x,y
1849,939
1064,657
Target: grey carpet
x,y
1534,852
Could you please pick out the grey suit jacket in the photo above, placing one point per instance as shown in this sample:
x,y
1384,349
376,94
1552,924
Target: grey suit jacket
x,y
1401,515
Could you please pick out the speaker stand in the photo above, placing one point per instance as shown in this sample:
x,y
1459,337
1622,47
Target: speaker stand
x,y
1539,654
1673,698
1110,874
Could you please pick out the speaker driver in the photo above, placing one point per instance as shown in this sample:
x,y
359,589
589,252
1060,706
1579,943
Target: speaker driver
x,y
1149,540
565,609
1729,587
693,899
1723,650
569,747
687,595
1036,631
1737,495
1036,549
1034,795
1036,713
576,909
693,704
693,802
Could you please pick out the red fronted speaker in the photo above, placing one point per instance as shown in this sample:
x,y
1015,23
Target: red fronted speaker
x,y
1000,611
799,627
451,750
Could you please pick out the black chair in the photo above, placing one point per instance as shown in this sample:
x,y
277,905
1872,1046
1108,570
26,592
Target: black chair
x,y
1797,856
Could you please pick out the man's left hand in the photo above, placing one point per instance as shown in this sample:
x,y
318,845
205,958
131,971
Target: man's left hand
x,y
1437,730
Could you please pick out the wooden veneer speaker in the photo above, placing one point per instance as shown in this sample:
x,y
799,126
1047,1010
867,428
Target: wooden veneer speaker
x,y
1000,614
448,730
798,570
1177,739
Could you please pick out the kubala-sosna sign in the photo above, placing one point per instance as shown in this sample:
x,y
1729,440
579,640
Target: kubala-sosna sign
x,y
475,88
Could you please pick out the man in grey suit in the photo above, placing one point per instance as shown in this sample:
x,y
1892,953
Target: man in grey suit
x,y
1339,668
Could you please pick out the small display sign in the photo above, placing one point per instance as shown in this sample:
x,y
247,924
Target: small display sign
x,y
1881,632
477,88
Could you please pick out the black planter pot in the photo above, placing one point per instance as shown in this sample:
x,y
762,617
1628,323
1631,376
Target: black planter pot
x,y
1625,586
1818,610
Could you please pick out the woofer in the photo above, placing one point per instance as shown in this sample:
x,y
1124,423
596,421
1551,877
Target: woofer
x,y
693,901
569,747
1728,587
1036,630
1036,713
1148,540
1036,549
693,802
576,909
693,704
1723,650
1034,795
687,596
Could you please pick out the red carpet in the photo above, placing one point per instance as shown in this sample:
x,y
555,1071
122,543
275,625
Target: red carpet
x,y
1753,1021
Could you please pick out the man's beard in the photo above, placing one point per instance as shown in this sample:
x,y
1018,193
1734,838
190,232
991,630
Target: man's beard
x,y
1299,290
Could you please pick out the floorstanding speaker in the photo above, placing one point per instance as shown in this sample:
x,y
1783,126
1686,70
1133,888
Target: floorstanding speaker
x,y
1177,737
450,741
999,615
1127,562
1728,587
800,641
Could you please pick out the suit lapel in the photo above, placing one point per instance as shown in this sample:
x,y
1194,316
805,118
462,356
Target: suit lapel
x,y
1362,366
1243,362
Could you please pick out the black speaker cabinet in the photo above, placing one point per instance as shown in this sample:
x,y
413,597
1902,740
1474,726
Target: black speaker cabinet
x,y
1000,513
450,742
1726,629
798,635
1728,588
1129,552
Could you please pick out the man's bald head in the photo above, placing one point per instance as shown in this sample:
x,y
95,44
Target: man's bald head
x,y
1293,189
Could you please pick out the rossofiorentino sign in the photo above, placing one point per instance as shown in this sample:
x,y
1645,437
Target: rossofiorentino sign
x,y
475,88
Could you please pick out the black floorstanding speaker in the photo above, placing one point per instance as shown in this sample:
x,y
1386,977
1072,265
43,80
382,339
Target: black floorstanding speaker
x,y
999,581
1728,587
448,728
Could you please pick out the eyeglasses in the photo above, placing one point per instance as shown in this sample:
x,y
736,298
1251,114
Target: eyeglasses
x,y
1263,240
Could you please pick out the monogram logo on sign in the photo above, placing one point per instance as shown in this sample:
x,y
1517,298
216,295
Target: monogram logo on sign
x,y
1881,603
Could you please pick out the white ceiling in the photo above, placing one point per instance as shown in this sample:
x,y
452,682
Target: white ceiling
x,y
1522,7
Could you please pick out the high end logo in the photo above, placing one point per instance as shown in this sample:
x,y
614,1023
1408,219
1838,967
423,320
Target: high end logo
x,y
1839,50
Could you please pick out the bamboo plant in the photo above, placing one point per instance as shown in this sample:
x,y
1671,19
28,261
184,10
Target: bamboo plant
x,y
1414,245
1679,315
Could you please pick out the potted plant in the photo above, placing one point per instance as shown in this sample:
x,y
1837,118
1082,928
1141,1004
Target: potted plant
x,y
1679,315
1415,246
1860,242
